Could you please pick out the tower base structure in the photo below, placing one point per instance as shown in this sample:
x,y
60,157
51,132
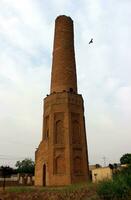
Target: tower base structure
x,y
62,158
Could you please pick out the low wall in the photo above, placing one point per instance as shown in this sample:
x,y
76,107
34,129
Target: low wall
x,y
20,179
9,183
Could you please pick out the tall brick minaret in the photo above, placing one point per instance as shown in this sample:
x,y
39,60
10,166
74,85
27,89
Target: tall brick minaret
x,y
62,157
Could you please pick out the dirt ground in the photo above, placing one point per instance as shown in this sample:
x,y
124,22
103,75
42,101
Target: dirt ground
x,y
80,194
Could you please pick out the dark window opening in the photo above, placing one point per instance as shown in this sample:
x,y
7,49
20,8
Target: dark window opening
x,y
71,89
44,175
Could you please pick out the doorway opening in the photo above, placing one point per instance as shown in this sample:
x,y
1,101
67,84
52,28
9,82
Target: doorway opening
x,y
44,175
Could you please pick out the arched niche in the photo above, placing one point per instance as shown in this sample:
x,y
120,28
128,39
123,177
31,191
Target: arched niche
x,y
59,165
76,132
46,128
77,163
59,132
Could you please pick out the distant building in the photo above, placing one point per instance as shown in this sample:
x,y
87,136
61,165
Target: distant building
x,y
100,174
91,167
124,165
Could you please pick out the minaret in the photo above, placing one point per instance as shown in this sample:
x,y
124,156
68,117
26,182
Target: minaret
x,y
63,66
62,158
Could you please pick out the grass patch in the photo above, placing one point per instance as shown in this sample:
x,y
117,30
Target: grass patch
x,y
67,189
20,189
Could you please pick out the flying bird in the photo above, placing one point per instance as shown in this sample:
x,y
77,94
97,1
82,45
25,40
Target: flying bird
x,y
91,41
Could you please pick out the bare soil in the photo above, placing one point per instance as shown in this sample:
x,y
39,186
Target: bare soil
x,y
38,194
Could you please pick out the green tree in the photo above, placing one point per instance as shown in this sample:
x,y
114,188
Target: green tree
x,y
111,166
25,166
5,171
115,165
98,165
126,158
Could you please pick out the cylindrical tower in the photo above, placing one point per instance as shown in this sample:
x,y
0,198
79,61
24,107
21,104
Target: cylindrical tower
x,y
63,77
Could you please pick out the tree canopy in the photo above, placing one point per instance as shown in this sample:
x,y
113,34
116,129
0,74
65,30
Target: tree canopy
x,y
6,171
25,166
126,158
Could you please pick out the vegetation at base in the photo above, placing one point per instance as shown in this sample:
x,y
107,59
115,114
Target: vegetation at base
x,y
20,189
69,188
83,191
118,188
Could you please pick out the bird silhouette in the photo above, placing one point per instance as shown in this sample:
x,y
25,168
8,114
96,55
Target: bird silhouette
x,y
91,41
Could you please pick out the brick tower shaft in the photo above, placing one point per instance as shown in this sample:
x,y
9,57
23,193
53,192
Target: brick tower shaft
x,y
62,156
63,77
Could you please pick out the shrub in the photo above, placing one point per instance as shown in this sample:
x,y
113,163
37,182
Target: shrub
x,y
116,189
105,190
124,174
121,189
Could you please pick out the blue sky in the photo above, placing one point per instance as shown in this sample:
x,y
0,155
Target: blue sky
x,y
103,71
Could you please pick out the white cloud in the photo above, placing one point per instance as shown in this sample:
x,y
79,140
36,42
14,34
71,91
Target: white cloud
x,y
123,98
